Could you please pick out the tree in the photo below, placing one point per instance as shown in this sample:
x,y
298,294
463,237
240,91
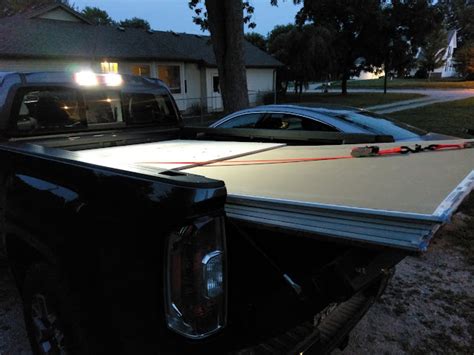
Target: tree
x,y
135,22
459,14
353,25
11,7
404,28
464,59
304,50
257,40
225,21
432,53
97,16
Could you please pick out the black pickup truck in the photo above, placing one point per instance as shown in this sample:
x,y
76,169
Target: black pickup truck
x,y
135,260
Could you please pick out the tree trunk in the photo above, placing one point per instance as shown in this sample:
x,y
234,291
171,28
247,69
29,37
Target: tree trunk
x,y
345,77
226,24
386,69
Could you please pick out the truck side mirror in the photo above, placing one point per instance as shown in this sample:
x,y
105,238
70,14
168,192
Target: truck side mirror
x,y
27,124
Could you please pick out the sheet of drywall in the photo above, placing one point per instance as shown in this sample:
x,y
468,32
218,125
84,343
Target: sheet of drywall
x,y
412,183
174,154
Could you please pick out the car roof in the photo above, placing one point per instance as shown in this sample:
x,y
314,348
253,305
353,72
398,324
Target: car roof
x,y
300,108
309,111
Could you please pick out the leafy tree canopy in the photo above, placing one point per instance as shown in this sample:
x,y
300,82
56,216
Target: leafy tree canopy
x,y
201,19
354,29
257,40
433,51
135,22
305,51
97,16
464,59
459,14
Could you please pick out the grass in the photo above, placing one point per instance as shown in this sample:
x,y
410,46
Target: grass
x,y
351,99
449,118
408,84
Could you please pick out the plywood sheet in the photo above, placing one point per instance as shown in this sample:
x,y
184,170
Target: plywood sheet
x,y
174,154
413,183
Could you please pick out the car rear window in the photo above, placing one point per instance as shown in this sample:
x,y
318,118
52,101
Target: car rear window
x,y
378,124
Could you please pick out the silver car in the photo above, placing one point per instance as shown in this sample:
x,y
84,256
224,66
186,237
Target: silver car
x,y
324,119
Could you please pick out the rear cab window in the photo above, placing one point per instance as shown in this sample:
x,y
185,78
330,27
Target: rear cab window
x,y
46,110
145,108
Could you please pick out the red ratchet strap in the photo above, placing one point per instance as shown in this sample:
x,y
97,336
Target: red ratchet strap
x,y
373,151
358,152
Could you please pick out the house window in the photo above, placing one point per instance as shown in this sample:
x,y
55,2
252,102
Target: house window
x,y
108,67
171,75
215,84
141,70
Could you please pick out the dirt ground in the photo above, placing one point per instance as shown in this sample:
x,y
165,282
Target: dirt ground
x,y
427,308
13,339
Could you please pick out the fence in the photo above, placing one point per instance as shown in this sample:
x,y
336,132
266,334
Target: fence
x,y
202,111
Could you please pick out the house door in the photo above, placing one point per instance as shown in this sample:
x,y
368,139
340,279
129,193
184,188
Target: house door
x,y
214,98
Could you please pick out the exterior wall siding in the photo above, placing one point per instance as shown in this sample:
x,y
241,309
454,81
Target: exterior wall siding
x,y
60,15
193,85
259,82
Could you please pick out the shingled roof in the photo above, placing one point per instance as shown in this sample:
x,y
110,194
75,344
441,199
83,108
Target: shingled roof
x,y
26,36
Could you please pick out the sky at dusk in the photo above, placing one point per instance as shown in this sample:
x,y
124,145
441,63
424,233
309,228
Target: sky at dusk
x,y
175,15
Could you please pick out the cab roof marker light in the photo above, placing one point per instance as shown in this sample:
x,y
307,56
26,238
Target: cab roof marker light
x,y
86,78
113,79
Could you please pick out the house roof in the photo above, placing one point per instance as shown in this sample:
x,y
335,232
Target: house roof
x,y
28,36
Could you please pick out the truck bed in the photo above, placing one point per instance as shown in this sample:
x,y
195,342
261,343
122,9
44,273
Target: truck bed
x,y
394,201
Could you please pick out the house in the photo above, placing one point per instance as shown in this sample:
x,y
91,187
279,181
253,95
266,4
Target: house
x,y
448,70
57,38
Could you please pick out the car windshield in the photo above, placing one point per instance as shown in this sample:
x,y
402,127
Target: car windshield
x,y
377,124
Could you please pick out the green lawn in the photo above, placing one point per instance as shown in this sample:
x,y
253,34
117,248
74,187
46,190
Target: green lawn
x,y
408,84
351,99
448,118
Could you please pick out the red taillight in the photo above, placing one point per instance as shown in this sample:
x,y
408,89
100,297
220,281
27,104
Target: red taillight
x,y
195,298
